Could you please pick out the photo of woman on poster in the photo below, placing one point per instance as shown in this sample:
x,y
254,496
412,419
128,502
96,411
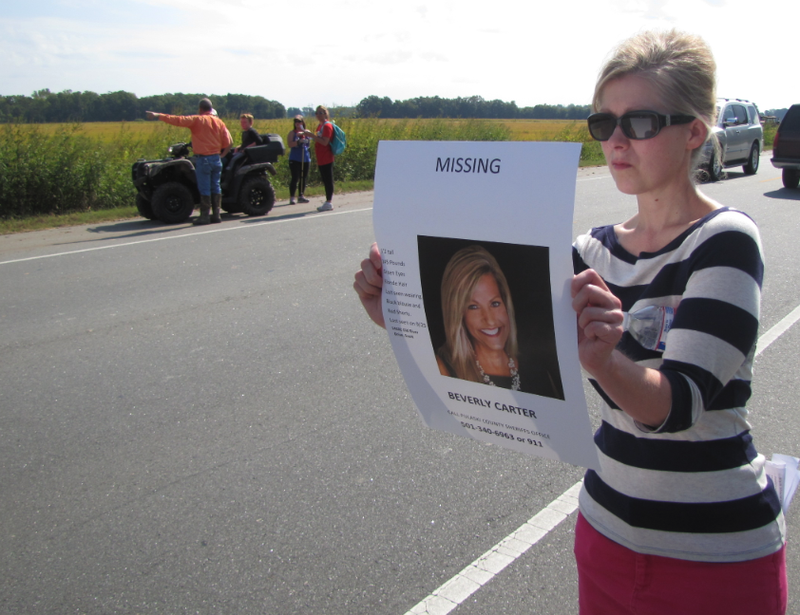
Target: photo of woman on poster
x,y
479,321
480,329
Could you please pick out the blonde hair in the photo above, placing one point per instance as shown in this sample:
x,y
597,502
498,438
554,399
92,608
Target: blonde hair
x,y
679,66
461,276
324,110
246,116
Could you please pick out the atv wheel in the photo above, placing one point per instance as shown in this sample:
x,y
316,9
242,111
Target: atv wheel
x,y
144,207
172,203
257,196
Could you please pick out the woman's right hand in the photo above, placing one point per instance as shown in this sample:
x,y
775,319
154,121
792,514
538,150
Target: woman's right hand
x,y
369,285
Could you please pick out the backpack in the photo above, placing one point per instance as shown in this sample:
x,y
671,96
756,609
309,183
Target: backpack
x,y
339,141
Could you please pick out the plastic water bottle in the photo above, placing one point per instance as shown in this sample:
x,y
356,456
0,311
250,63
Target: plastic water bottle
x,y
650,325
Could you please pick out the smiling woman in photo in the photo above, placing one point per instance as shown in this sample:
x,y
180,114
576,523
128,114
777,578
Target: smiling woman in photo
x,y
479,322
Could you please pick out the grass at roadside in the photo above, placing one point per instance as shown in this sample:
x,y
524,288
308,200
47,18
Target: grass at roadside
x,y
44,222
56,175
58,170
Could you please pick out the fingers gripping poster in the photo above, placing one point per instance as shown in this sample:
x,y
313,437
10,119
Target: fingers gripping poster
x,y
475,240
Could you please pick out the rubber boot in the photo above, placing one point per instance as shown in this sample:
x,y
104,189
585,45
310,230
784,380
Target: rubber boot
x,y
205,206
216,202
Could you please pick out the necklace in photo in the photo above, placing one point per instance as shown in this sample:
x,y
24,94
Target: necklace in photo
x,y
512,368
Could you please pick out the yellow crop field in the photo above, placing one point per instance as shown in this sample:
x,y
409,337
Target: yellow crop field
x,y
60,168
538,130
102,131
519,130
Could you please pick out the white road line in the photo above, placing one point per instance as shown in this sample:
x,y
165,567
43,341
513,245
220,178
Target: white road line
x,y
223,229
455,591
448,596
216,230
775,332
491,563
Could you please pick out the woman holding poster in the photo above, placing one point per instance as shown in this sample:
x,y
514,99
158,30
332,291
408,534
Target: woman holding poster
x,y
680,517
681,495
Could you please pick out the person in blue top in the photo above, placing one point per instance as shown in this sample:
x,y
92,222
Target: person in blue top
x,y
299,159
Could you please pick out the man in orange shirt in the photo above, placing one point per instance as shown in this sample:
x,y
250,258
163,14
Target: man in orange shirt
x,y
210,140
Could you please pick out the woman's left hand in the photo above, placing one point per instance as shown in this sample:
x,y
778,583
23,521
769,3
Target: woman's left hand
x,y
643,393
599,320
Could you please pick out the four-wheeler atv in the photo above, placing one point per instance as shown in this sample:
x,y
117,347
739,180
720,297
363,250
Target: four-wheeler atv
x,y
167,188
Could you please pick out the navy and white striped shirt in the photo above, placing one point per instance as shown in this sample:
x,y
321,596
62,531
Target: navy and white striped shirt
x,y
694,487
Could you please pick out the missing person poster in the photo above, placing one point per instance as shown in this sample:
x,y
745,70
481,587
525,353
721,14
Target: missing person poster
x,y
475,239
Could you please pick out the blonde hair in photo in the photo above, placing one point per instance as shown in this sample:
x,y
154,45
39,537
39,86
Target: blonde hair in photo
x,y
461,276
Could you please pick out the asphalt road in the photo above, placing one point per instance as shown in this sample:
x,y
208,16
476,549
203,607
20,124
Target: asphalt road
x,y
202,420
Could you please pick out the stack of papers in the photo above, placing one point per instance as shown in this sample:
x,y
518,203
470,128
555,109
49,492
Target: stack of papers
x,y
783,470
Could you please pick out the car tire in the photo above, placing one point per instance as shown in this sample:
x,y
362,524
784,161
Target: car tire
x,y
715,169
144,207
751,168
791,178
172,203
257,196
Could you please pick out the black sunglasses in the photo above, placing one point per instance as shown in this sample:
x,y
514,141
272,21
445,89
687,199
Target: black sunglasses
x,y
637,125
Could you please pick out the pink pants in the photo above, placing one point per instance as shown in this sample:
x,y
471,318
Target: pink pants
x,y
613,580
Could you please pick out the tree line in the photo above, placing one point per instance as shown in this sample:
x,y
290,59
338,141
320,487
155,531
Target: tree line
x,y
45,106
469,107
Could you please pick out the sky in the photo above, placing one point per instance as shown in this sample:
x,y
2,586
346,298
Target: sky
x,y
334,53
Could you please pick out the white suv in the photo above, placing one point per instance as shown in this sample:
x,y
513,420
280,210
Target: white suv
x,y
741,138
